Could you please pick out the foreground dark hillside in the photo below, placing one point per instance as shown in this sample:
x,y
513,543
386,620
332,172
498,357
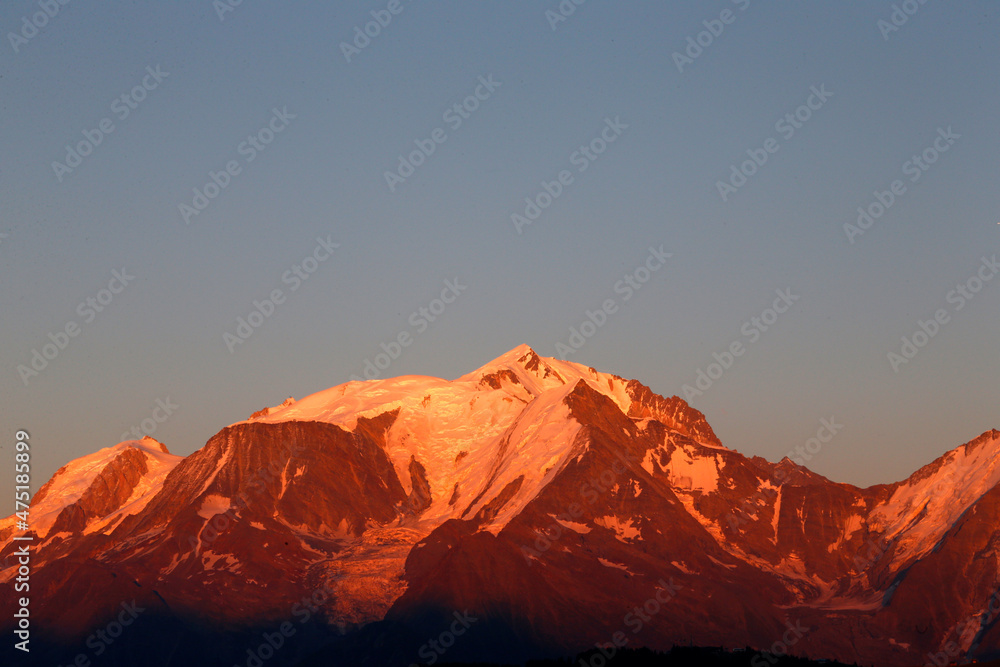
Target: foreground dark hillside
x,y
676,657
681,657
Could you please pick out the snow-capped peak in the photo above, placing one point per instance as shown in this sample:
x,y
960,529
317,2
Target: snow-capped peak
x,y
925,506
473,435
537,374
75,482
521,373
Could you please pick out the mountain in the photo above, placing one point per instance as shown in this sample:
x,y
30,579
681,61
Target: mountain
x,y
532,508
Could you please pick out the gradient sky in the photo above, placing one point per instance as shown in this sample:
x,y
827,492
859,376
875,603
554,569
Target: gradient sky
x,y
323,175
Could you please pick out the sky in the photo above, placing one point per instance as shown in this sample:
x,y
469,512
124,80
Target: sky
x,y
650,175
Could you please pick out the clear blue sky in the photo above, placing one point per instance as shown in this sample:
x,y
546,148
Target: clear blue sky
x,y
550,92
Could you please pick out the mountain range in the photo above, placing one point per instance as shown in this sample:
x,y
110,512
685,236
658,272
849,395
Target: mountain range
x,y
532,508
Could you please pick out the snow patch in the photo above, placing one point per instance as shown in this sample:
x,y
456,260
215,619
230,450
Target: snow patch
x,y
719,562
209,559
688,468
581,528
212,505
777,515
623,529
608,563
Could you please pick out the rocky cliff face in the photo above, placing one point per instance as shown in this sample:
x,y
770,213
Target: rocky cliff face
x,y
556,504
